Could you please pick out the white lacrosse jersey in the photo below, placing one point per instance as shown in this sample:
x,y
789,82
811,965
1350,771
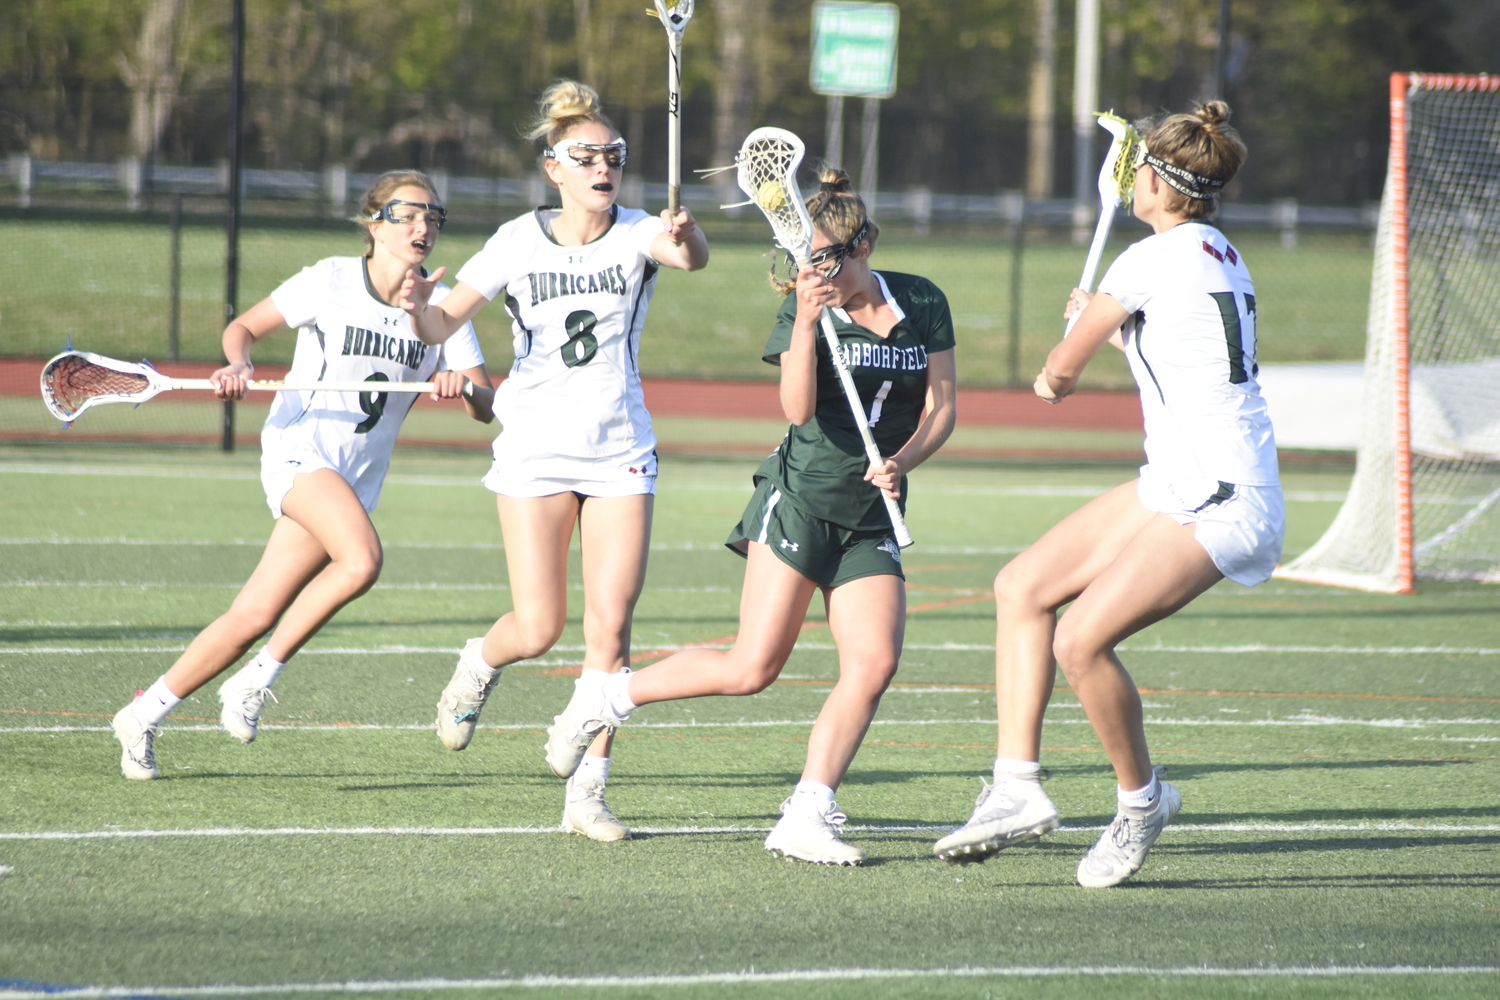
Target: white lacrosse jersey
x,y
1191,339
346,333
571,410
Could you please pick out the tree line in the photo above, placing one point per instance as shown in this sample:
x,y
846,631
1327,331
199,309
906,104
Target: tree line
x,y
374,84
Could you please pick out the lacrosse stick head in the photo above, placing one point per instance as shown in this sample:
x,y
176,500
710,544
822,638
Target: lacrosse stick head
x,y
1117,175
767,172
675,18
75,380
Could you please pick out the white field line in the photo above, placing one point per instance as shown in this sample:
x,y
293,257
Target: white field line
x,y
160,472
751,977
1367,826
1296,721
931,647
145,584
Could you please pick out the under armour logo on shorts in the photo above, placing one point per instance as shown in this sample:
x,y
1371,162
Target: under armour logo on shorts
x,y
789,545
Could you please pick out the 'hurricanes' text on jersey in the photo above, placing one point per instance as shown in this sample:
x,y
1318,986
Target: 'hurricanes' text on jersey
x,y
572,407
821,465
346,333
1191,341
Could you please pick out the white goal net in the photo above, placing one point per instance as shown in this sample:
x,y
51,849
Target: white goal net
x,y
1425,500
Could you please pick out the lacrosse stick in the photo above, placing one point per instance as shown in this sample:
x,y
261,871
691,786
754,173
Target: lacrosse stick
x,y
675,20
1116,187
76,380
767,162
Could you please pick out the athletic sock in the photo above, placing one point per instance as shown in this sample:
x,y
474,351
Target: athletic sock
x,y
260,672
473,657
1141,798
814,794
156,703
1011,767
617,693
595,768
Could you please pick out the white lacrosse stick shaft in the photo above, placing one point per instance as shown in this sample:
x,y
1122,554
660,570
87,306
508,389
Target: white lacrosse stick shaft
x,y
67,397
311,385
861,419
767,162
675,20
1109,200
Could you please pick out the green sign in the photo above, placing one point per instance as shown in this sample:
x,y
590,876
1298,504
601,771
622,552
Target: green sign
x,y
854,48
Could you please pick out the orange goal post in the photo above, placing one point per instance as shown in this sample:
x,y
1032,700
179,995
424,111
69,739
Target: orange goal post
x,y
1425,499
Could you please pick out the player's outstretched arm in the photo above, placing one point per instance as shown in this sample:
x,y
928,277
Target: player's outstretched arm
x,y
1099,322
435,323
239,336
939,414
681,243
479,400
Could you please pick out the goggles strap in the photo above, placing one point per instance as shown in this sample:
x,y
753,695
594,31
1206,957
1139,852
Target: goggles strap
x,y
1185,181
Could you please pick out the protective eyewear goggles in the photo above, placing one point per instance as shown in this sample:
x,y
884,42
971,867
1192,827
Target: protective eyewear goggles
x,y
586,154
405,213
835,254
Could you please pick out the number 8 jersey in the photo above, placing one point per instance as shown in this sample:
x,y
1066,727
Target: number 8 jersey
x,y
572,411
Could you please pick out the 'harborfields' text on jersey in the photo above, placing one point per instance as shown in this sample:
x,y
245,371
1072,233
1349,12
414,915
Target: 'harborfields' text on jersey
x,y
346,333
1191,339
821,465
572,407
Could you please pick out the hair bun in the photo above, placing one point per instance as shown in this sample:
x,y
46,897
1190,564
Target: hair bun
x,y
834,181
569,99
1213,112
564,104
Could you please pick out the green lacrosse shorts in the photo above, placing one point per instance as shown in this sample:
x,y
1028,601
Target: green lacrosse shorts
x,y
820,550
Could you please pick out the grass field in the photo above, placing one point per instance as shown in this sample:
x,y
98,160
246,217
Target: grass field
x,y
107,285
1336,753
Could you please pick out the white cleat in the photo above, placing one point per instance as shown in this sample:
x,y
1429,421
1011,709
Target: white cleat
x,y
138,758
585,813
1012,812
588,714
804,833
241,712
1123,846
463,699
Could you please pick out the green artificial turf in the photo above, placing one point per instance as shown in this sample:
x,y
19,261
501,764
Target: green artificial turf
x,y
106,285
1335,750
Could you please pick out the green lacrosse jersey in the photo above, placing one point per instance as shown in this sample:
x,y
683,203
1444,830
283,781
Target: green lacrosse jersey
x,y
821,465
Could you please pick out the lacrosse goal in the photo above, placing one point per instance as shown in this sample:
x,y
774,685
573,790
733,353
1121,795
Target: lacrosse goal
x,y
1425,499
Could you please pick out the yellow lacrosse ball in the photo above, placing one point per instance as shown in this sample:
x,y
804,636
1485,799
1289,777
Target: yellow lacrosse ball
x,y
772,195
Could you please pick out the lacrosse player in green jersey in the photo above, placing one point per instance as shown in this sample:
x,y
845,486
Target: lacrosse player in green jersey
x,y
817,519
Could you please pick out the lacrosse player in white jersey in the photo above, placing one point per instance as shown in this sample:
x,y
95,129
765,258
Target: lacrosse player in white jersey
x,y
576,445
324,455
1207,505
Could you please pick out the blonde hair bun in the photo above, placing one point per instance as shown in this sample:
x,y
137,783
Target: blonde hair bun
x,y
835,181
1213,112
564,106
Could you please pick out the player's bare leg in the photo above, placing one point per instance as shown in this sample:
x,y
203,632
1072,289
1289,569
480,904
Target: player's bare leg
x,y
615,537
537,531
867,618
323,553
773,606
1028,592
1159,571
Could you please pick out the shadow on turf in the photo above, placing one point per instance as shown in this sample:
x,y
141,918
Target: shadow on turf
x,y
1371,881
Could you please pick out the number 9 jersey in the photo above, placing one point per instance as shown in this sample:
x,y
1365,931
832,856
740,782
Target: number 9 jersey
x,y
572,412
346,333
